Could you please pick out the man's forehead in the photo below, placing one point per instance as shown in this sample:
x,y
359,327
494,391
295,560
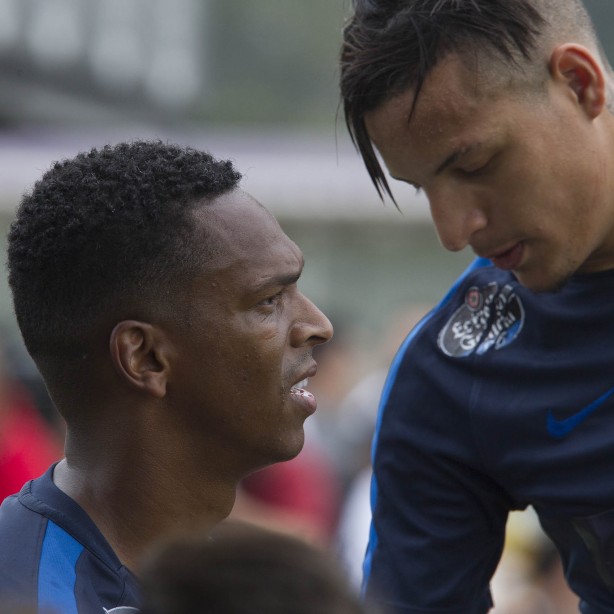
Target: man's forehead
x,y
241,232
446,120
234,216
449,91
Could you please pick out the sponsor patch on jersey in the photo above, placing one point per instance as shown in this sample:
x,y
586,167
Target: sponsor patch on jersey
x,y
490,318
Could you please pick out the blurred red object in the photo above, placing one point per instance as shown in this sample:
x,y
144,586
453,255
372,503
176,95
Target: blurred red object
x,y
300,496
28,445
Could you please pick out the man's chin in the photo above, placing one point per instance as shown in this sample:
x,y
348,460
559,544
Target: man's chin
x,y
287,448
293,449
541,284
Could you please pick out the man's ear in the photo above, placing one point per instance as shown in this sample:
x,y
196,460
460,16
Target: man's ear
x,y
140,353
577,67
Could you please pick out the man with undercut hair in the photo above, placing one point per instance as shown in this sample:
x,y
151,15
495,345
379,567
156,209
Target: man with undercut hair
x,y
160,303
503,396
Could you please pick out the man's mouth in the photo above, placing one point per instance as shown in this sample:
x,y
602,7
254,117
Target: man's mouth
x,y
307,373
304,397
509,259
300,385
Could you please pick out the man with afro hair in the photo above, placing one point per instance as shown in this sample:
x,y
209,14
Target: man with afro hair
x,y
160,304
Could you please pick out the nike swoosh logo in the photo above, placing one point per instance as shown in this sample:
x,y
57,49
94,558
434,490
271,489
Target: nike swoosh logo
x,y
562,428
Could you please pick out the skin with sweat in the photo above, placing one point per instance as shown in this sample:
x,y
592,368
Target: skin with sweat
x,y
521,178
192,403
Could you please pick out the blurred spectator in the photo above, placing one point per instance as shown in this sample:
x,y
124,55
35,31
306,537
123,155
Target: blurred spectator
x,y
354,523
340,366
28,445
356,419
357,409
243,570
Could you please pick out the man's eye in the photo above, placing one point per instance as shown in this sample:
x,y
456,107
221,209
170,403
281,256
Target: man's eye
x,y
271,300
478,169
474,171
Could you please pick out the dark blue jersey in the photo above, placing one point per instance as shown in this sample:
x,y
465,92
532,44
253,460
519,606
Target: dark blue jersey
x,y
54,558
499,399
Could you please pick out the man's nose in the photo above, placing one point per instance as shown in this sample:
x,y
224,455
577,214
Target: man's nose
x,y
312,327
457,215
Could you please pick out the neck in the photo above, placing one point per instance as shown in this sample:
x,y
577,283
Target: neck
x,y
134,499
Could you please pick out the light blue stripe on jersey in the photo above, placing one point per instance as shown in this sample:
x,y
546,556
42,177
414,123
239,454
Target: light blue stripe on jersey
x,y
57,571
392,374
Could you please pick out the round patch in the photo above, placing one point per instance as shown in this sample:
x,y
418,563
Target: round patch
x,y
490,318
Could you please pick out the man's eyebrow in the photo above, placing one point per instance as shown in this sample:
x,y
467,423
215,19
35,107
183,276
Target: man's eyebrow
x,y
451,159
283,279
456,155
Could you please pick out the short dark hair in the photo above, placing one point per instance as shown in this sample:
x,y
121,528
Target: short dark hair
x,y
104,230
392,45
243,570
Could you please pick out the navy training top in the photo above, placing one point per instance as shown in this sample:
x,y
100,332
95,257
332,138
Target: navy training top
x,y
499,399
54,558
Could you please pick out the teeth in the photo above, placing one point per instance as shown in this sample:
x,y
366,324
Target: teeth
x,y
301,384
